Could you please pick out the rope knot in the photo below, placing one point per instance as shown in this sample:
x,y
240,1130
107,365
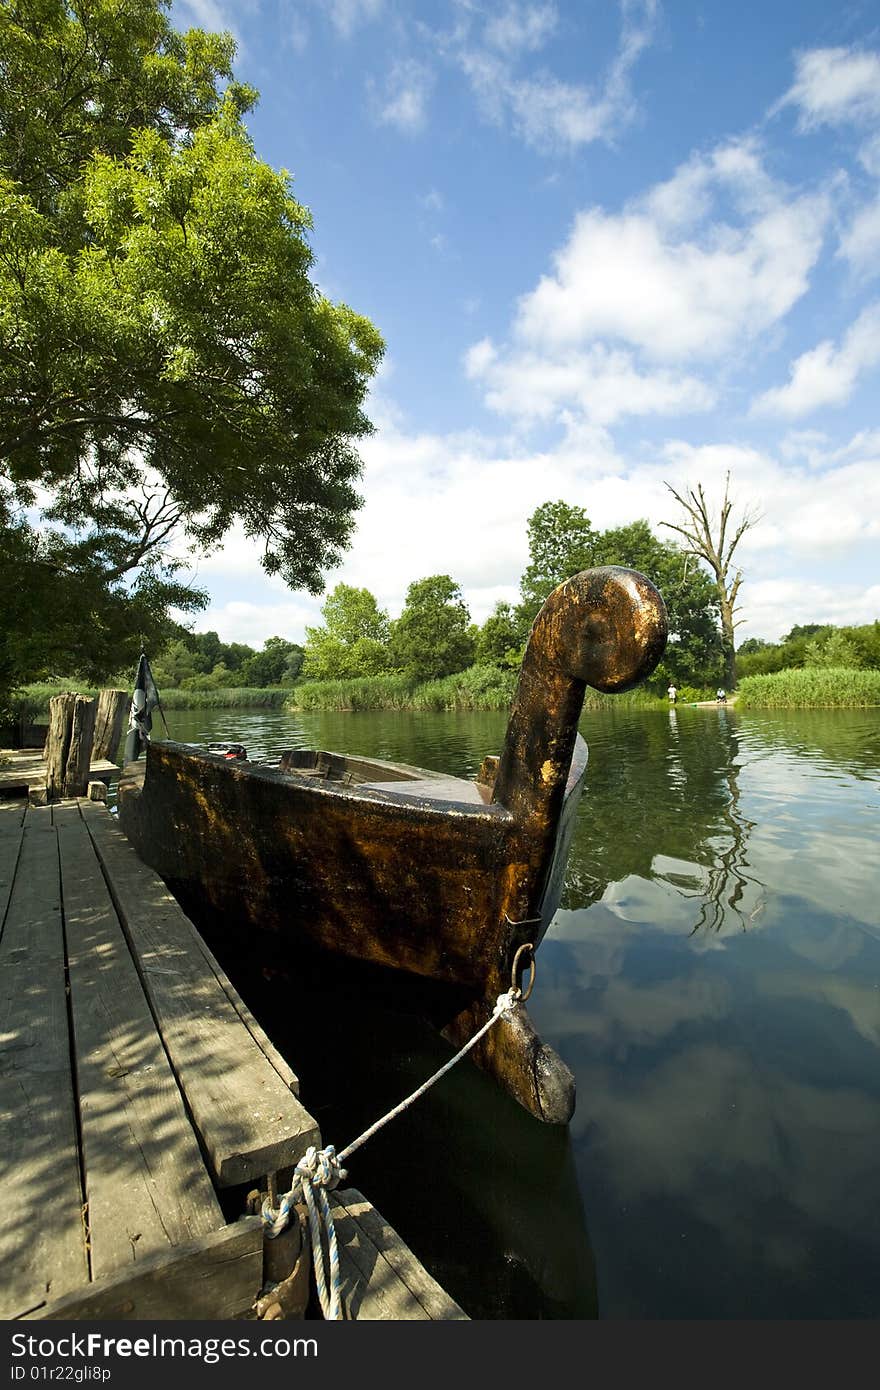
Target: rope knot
x,y
321,1167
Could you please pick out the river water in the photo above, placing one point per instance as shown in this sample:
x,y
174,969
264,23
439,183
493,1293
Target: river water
x,y
712,978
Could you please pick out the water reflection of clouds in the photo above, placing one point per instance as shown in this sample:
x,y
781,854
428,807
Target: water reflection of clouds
x,y
721,1134
860,1001
721,1130
588,954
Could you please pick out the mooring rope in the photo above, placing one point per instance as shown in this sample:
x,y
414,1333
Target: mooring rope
x,y
320,1170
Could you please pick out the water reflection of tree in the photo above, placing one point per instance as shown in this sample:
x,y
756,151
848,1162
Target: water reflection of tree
x,y
727,879
668,787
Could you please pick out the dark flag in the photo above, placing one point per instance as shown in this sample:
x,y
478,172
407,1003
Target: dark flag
x,y
143,701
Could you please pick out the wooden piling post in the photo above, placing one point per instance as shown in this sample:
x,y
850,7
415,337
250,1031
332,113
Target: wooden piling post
x,y
69,745
112,708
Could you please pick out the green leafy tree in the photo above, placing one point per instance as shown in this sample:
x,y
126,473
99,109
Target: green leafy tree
x,y
59,622
174,664
835,649
432,636
353,640
561,543
501,639
279,663
207,650
167,365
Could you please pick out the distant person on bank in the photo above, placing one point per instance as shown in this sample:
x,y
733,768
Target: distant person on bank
x,y
673,694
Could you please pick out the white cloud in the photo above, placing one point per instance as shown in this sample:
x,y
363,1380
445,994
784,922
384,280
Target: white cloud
x,y
521,28
860,244
601,385
776,605
405,100
835,85
217,16
348,15
661,276
664,281
826,375
252,623
545,111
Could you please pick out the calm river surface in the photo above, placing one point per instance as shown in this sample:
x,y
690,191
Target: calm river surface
x,y
713,980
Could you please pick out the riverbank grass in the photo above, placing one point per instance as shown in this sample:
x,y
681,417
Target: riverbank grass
x,y
32,702
811,687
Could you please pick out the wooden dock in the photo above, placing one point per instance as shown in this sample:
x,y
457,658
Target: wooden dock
x,y
23,771
136,1090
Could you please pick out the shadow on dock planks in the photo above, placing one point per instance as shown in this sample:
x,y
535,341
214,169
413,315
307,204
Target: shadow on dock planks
x,y
139,1098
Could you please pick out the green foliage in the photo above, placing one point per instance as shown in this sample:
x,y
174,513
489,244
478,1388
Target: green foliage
x,y
102,69
61,618
166,363
561,543
390,691
279,663
353,641
479,687
803,630
33,700
836,649
820,686
200,661
812,644
695,694
501,640
235,697
432,637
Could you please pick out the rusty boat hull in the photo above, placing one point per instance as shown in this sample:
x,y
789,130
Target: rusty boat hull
x,y
439,878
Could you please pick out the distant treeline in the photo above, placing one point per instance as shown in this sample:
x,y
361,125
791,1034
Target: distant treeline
x,y
199,661
812,645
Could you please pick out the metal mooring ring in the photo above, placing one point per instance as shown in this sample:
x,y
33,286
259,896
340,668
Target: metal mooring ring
x,y
514,970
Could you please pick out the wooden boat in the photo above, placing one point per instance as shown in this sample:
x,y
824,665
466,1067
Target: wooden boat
x,y
438,877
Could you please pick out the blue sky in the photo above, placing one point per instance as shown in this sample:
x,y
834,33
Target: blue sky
x,y
609,246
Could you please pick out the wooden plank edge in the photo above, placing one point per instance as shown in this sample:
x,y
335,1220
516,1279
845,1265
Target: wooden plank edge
x,y
13,838
216,1277
437,1303
230,1167
260,1037
257,1032
370,1290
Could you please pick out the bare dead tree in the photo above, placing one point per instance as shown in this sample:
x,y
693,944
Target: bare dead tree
x,y
714,541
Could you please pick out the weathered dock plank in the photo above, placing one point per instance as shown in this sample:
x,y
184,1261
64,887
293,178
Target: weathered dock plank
x,y
381,1278
11,830
396,1253
146,1184
25,770
257,1032
249,1122
215,1277
42,1248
